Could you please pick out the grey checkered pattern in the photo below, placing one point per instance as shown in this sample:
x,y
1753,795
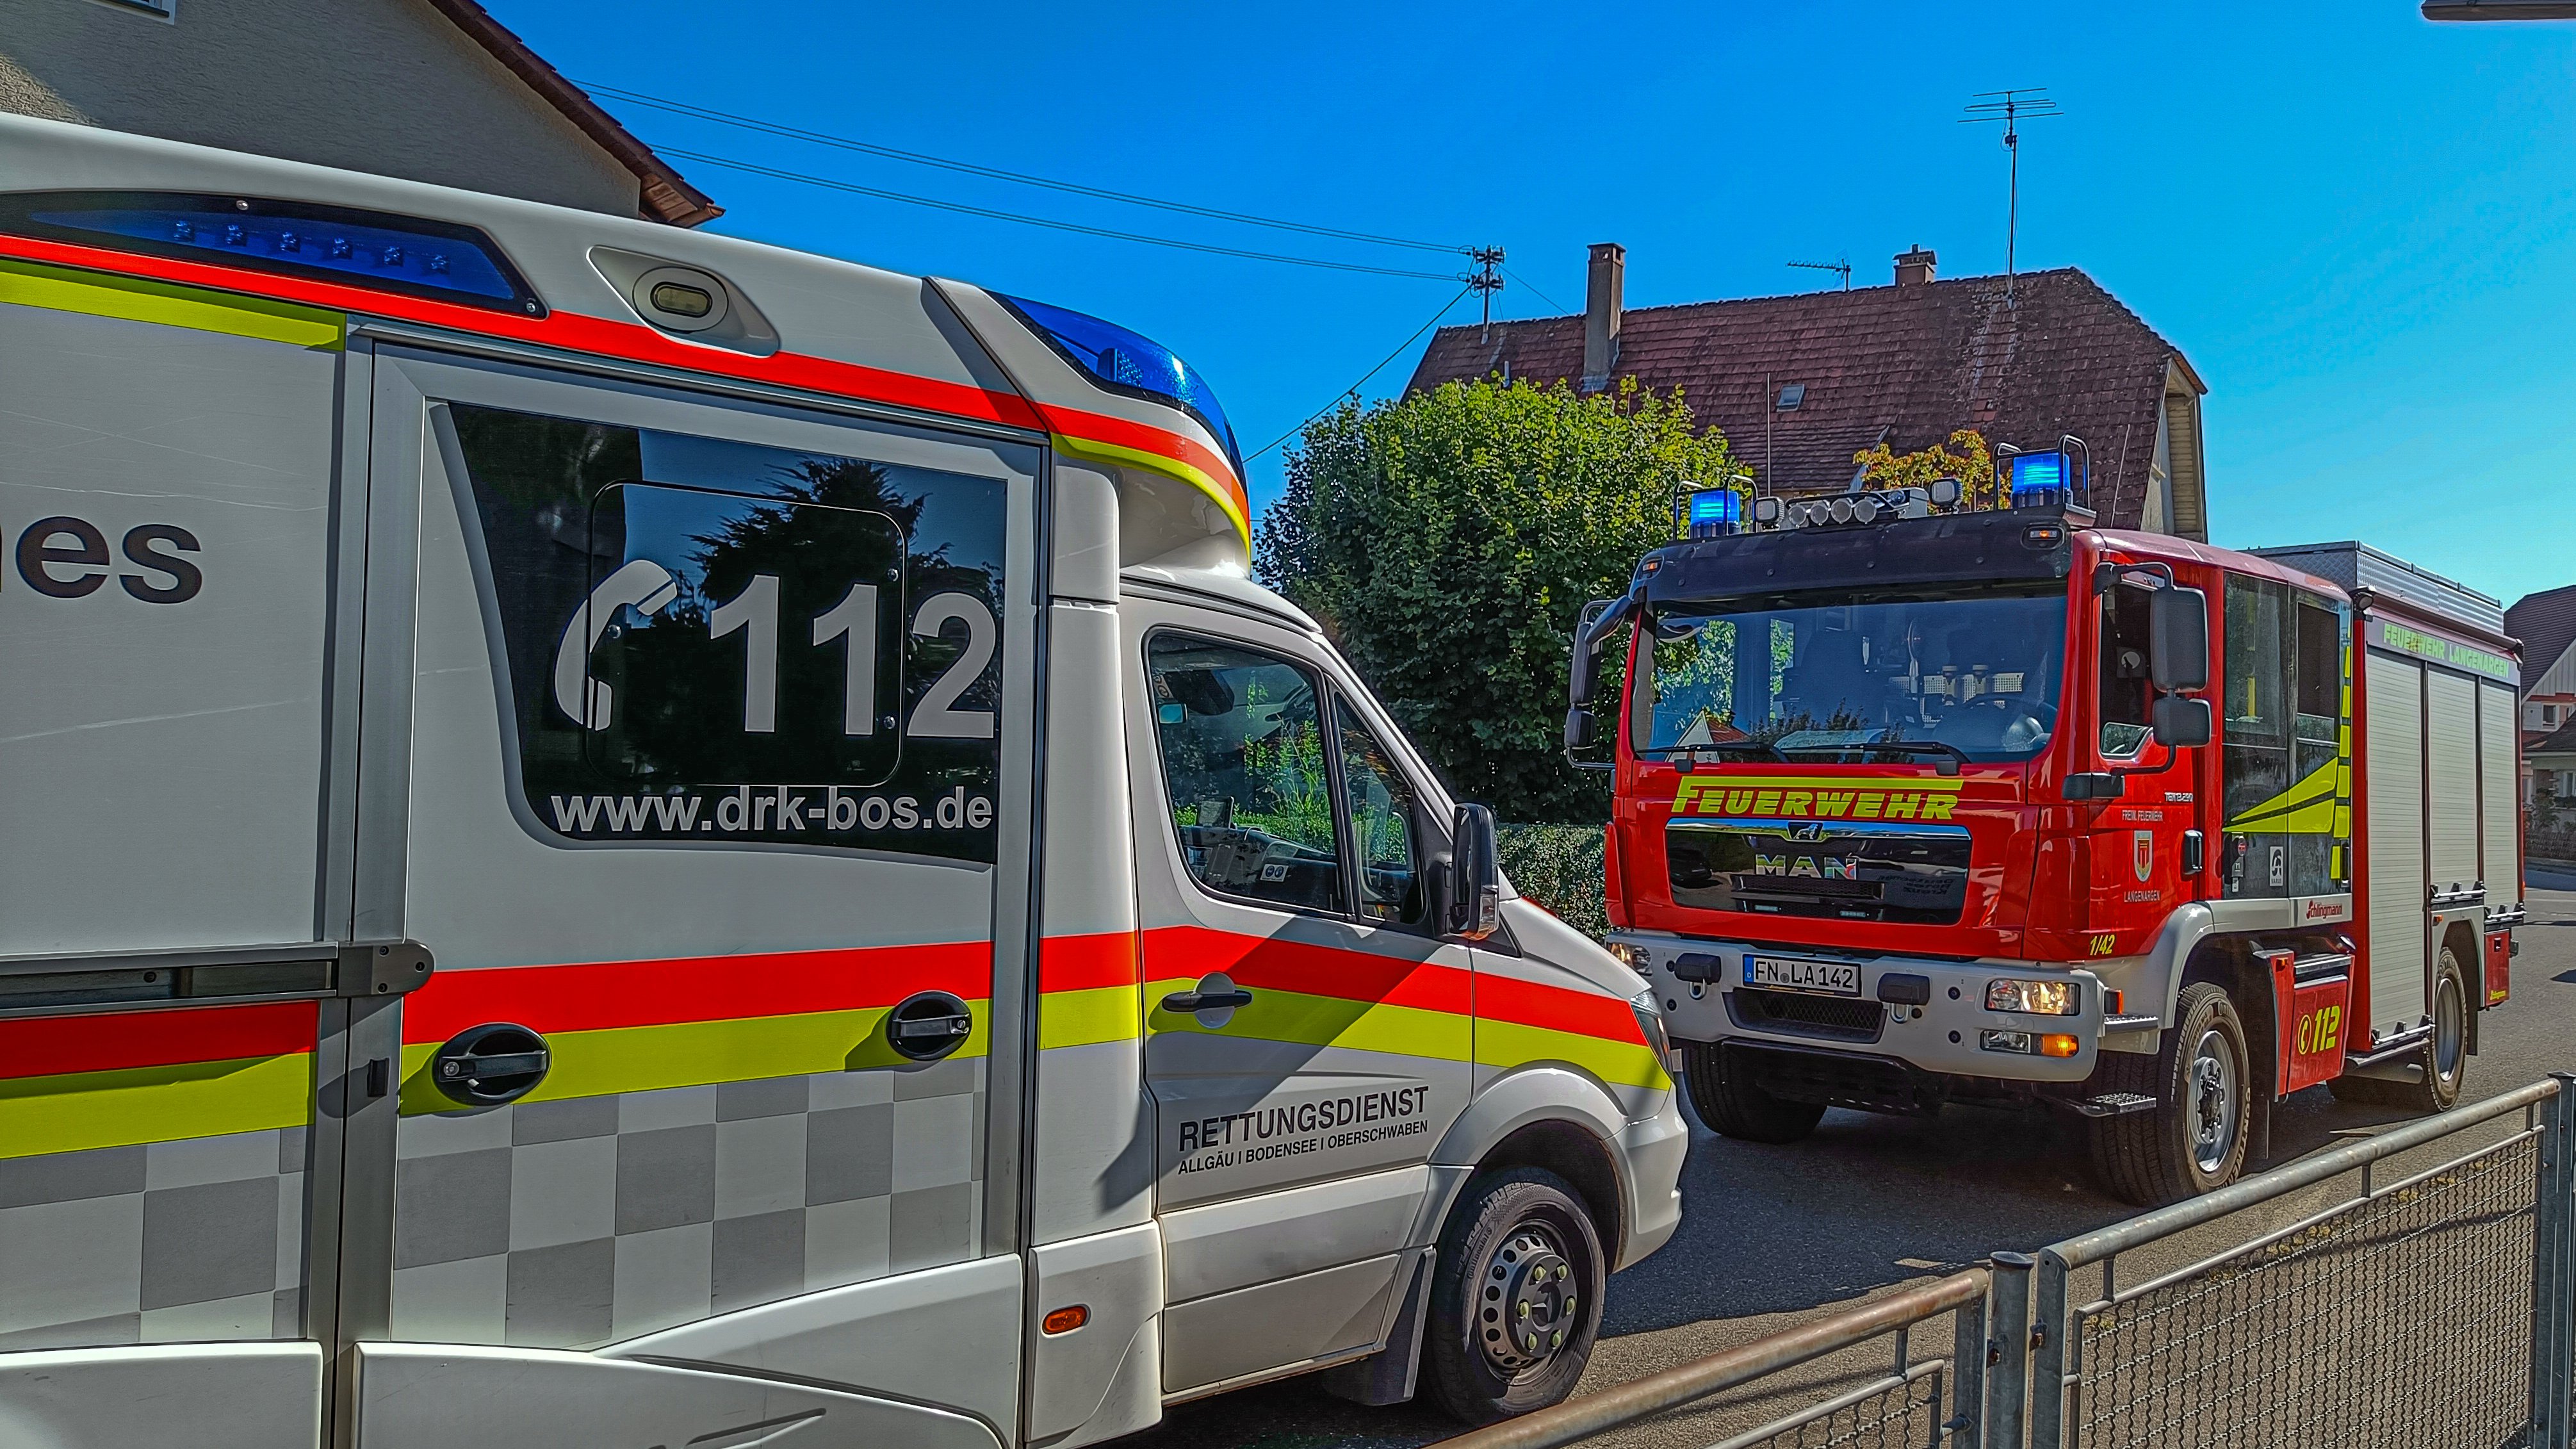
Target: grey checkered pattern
x,y
162,1242
574,1223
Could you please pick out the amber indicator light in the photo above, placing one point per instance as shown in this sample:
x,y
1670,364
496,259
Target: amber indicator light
x,y
1066,1320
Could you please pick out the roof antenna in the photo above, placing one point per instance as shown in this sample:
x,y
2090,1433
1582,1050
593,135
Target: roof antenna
x,y
2011,107
1485,284
1843,266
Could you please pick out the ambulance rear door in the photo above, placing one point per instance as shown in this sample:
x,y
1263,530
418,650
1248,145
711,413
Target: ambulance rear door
x,y
697,747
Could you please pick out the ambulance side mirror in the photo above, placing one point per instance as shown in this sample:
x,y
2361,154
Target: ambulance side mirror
x,y
2178,640
1473,883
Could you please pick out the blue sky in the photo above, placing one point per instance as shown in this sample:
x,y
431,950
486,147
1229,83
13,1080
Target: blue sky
x,y
2360,227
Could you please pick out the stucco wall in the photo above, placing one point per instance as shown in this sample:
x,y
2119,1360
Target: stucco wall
x,y
387,86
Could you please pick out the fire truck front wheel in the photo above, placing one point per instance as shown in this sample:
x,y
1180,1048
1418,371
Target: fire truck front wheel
x,y
2445,1061
1515,1298
1733,1102
2193,1141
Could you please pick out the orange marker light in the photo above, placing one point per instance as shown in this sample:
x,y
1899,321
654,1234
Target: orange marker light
x,y
2056,1045
1066,1320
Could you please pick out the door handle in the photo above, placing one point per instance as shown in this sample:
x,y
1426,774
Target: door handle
x,y
928,1025
1182,1003
484,1066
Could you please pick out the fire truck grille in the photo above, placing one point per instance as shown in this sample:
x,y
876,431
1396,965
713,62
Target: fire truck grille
x,y
1843,870
1795,1014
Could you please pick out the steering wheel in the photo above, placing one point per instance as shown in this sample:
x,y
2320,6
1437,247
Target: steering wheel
x,y
2024,725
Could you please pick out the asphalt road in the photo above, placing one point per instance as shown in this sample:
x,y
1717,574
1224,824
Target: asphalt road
x,y
1771,1236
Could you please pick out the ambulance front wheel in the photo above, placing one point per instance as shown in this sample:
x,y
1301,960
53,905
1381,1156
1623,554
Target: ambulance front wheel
x,y
1515,1298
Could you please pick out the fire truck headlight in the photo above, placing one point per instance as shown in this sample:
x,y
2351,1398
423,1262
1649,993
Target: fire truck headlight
x,y
2035,998
1629,956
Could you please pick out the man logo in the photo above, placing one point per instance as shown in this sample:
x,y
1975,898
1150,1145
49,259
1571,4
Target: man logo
x,y
2142,854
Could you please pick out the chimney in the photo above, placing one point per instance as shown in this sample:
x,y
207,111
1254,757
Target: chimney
x,y
1913,267
1601,305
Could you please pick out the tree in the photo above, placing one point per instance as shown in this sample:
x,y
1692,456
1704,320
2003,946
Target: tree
x,y
1447,541
1964,457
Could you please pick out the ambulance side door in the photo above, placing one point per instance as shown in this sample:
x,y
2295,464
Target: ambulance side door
x,y
1308,1031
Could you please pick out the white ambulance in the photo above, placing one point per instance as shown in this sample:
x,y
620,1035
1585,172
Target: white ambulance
x,y
623,837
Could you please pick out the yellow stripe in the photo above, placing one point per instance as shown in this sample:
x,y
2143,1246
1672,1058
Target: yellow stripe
x,y
76,1111
1091,1015
696,1053
2315,797
1294,1016
1626,1064
138,299
1157,463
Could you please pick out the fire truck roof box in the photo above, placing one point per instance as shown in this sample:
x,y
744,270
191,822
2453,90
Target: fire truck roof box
x,y
2359,566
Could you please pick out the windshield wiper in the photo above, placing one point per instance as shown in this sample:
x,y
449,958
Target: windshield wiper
x,y
1765,747
1948,766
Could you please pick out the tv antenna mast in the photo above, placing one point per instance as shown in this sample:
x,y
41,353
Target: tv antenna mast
x,y
1843,266
2012,107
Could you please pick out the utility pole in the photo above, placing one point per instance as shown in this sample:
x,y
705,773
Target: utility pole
x,y
2011,107
1486,281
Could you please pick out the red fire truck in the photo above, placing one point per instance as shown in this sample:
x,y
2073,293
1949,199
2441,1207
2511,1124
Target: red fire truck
x,y
1921,802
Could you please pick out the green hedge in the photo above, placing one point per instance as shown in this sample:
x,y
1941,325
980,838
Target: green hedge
x,y
1559,866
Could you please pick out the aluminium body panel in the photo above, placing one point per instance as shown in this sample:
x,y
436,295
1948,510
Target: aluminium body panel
x,y
2499,794
2356,565
2451,779
2393,844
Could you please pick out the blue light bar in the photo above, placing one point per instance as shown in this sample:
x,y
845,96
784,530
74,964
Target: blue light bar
x,y
1715,512
414,256
1123,361
2039,480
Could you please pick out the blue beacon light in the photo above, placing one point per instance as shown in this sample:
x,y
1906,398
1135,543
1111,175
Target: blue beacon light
x,y
1715,512
2039,480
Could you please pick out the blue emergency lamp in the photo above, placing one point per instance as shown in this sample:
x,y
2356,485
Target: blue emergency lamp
x,y
2044,480
1715,512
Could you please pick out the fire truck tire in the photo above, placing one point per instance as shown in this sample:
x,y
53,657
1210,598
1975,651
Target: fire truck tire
x,y
1515,1299
1732,1102
2194,1140
2446,1055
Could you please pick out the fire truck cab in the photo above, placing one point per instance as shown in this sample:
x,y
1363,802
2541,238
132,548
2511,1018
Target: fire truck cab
x,y
626,837
1921,803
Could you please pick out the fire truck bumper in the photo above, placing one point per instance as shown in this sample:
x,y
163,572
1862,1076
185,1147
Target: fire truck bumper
x,y
1933,1015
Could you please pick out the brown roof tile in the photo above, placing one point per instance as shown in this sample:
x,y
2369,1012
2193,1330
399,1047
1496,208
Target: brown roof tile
x,y
1907,364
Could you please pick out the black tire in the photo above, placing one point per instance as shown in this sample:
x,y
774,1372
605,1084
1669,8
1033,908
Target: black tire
x,y
2445,1060
1733,1103
2194,1140
1516,1239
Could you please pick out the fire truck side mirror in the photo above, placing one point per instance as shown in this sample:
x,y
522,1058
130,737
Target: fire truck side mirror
x,y
1585,671
2181,720
1579,730
1474,880
2178,640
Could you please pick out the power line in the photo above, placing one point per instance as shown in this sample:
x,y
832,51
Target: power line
x,y
1354,388
828,183
847,143
1535,292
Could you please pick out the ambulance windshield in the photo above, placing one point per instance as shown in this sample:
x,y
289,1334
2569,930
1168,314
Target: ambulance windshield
x,y
1851,677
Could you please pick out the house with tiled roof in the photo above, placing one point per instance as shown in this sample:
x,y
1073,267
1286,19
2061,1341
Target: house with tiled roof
x,y
1801,383
2546,624
427,90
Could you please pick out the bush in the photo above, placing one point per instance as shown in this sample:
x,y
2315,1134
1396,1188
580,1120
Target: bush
x,y
1560,867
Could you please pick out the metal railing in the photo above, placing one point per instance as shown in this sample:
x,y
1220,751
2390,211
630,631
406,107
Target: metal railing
x,y
1925,1402
2435,1309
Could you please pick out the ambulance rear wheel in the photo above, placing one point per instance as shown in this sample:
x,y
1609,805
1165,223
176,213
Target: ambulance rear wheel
x,y
1516,1298
1733,1102
2193,1141
2444,1063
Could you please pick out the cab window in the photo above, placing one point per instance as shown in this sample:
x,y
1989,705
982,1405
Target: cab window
x,y
2127,698
1244,761
1382,807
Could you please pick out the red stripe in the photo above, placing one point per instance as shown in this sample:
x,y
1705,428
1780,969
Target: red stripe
x,y
44,1046
1081,963
1556,1008
570,330
1284,965
577,332
1101,427
602,995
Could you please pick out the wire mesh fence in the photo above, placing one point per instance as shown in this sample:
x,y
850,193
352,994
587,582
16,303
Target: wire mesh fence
x,y
2402,1318
1910,1410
